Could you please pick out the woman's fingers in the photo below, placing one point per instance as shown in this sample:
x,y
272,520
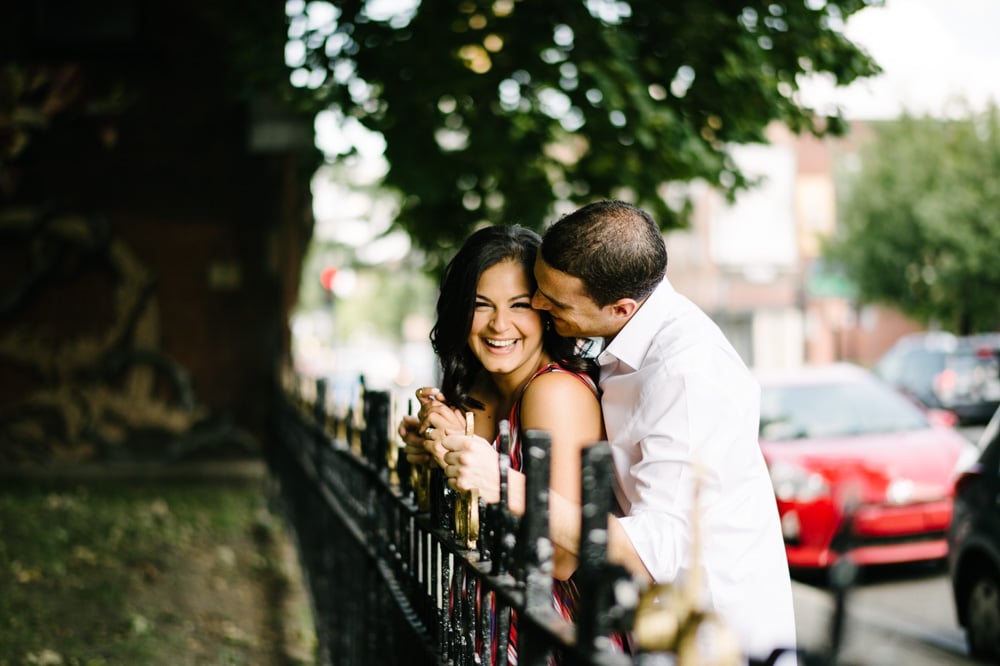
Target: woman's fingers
x,y
434,428
416,456
429,394
440,415
409,432
431,444
408,426
421,444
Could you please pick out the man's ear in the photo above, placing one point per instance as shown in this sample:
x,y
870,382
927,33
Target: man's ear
x,y
624,308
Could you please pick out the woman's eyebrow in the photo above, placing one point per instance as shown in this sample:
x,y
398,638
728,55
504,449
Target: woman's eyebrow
x,y
526,295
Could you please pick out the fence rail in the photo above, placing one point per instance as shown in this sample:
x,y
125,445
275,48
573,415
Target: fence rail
x,y
399,571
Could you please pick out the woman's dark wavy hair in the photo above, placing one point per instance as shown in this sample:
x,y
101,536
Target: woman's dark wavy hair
x,y
456,305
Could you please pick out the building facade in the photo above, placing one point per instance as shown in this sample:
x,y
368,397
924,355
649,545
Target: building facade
x,y
755,265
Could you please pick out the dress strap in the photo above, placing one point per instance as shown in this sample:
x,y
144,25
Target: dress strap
x,y
556,367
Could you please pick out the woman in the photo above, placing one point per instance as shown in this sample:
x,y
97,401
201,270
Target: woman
x,y
501,360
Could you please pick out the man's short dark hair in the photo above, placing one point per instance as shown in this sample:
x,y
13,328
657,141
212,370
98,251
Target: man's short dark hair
x,y
616,249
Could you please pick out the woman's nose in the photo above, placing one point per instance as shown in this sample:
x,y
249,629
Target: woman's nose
x,y
499,321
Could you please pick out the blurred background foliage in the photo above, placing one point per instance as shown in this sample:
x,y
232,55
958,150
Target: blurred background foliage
x,y
506,111
920,221
376,302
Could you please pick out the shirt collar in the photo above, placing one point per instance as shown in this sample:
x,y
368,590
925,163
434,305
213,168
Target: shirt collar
x,y
633,341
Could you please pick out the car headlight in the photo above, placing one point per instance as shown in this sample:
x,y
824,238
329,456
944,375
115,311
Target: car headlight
x,y
790,526
899,491
794,483
907,491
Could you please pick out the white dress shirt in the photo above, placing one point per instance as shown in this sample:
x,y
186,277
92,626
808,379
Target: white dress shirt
x,y
678,403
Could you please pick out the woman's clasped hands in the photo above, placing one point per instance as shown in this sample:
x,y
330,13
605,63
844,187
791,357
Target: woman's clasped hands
x,y
425,432
437,433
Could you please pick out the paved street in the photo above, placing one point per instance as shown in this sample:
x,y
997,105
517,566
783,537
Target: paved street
x,y
913,624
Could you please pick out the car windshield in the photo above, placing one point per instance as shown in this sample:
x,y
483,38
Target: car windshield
x,y
835,410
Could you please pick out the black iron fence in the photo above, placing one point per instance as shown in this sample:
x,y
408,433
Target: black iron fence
x,y
402,570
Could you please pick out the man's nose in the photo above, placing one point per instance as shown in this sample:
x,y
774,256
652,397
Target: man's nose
x,y
539,302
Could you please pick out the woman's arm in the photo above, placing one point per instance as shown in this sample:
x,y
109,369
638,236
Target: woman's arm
x,y
568,410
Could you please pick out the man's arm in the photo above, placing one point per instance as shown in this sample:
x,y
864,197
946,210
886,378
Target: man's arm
x,y
564,525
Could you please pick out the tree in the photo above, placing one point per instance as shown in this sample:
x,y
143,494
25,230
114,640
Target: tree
x,y
920,223
508,110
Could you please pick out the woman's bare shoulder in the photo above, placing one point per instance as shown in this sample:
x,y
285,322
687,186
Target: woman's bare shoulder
x,y
560,390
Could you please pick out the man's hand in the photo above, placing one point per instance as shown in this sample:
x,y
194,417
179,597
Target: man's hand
x,y
471,463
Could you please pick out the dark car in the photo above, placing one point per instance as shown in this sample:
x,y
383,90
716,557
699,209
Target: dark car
x,y
960,374
974,547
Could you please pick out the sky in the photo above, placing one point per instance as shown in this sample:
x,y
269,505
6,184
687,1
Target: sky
x,y
932,52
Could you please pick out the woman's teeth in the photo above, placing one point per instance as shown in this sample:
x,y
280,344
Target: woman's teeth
x,y
499,343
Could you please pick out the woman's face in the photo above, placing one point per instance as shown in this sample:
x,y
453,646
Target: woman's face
x,y
506,334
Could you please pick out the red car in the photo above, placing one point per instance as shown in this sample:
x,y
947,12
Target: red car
x,y
836,436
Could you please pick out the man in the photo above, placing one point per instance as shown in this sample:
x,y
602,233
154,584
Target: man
x,y
680,409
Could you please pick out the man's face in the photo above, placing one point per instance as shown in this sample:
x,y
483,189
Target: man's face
x,y
574,314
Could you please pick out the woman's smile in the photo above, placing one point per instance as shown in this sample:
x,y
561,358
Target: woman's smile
x,y
499,345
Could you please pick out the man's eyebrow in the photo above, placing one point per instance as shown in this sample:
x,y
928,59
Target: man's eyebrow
x,y
550,299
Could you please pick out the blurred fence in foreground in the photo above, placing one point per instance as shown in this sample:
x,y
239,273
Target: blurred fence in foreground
x,y
402,570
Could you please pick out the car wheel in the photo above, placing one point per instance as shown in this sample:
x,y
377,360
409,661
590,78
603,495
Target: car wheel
x,y
983,617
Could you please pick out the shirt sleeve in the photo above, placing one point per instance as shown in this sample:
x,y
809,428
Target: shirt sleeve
x,y
688,428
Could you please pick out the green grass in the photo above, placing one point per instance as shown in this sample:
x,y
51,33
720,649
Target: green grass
x,y
83,570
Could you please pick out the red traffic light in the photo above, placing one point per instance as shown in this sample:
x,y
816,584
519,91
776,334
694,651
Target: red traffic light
x,y
327,276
